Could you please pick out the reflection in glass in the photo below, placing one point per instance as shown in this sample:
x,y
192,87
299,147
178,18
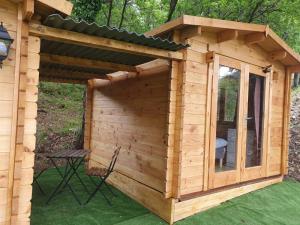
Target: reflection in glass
x,y
255,120
227,110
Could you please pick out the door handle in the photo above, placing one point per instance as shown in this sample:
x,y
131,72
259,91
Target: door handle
x,y
248,118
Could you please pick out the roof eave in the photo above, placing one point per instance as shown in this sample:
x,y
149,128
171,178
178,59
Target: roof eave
x,y
187,20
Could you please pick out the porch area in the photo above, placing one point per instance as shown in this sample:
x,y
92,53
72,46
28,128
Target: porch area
x,y
277,204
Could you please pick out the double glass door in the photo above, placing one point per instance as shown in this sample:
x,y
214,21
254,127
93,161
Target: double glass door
x,y
238,131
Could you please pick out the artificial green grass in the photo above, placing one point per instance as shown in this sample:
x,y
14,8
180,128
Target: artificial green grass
x,y
274,205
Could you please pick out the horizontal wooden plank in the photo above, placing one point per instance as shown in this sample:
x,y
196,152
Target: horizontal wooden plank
x,y
6,109
4,161
5,126
6,92
5,144
189,207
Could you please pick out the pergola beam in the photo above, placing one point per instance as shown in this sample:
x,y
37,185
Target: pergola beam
x,y
64,74
54,34
88,63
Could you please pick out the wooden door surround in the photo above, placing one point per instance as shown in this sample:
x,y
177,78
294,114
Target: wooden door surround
x,y
239,172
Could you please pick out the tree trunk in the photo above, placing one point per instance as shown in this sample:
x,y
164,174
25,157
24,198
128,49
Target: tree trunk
x,y
123,13
109,12
172,8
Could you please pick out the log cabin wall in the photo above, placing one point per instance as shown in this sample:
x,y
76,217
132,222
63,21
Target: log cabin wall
x,y
8,88
18,96
197,100
132,113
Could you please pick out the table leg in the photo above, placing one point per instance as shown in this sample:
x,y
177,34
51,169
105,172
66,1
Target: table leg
x,y
64,179
73,166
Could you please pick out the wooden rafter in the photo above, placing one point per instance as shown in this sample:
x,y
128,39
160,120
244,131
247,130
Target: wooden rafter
x,y
87,63
100,42
278,55
254,38
191,31
28,9
227,35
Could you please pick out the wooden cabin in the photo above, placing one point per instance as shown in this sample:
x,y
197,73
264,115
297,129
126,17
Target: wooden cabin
x,y
201,119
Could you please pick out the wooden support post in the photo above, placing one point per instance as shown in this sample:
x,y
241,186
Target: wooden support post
x,y
88,114
227,35
286,122
12,155
16,213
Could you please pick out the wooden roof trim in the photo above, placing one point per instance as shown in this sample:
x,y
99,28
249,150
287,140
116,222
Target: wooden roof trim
x,y
187,20
63,6
284,45
294,69
70,37
205,22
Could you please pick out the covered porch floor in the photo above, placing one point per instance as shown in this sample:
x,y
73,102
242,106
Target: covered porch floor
x,y
277,204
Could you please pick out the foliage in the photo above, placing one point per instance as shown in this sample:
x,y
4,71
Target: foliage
x,y
144,15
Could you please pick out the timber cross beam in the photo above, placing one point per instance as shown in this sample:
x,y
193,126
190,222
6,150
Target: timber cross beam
x,y
88,63
71,37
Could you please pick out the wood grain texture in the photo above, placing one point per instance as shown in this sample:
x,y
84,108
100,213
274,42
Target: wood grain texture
x,y
132,113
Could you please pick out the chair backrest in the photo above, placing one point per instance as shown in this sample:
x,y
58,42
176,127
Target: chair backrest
x,y
114,160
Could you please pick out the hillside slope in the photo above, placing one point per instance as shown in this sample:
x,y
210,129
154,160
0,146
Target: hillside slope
x,y
60,114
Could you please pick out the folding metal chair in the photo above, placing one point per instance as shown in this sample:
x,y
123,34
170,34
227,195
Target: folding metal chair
x,y
102,174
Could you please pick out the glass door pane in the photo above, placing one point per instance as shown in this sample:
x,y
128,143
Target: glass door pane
x,y
227,119
255,114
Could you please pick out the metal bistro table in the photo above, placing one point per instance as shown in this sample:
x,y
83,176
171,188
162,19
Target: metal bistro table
x,y
74,159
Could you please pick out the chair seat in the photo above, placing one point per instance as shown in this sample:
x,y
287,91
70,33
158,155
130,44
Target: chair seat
x,y
97,172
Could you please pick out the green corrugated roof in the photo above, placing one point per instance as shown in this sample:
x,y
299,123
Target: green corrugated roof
x,y
56,21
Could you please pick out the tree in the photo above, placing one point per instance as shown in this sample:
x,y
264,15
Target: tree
x,y
143,15
86,9
123,13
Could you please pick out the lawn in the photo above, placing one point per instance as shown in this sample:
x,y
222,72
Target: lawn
x,y
277,204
